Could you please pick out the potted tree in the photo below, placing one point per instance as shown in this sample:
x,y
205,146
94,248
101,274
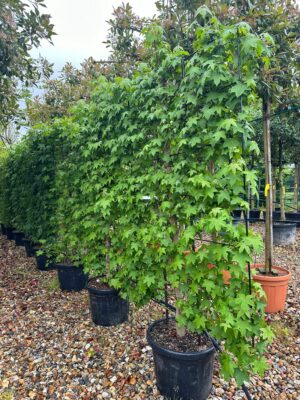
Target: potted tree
x,y
274,279
83,219
180,120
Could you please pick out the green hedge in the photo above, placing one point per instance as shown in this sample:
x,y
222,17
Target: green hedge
x,y
126,183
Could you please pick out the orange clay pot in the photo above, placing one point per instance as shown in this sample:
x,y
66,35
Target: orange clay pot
x,y
275,287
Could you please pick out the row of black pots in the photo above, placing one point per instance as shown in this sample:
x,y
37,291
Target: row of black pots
x,y
254,215
106,306
185,376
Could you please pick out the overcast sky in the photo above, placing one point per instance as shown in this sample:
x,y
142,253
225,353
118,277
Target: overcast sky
x,y
81,28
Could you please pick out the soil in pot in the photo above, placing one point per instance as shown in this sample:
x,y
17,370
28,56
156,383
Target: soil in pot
x,y
71,278
275,287
183,367
284,233
19,236
106,306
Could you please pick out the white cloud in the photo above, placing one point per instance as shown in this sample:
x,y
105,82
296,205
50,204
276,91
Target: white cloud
x,y
81,28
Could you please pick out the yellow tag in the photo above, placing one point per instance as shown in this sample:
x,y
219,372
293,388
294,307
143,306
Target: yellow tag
x,y
267,188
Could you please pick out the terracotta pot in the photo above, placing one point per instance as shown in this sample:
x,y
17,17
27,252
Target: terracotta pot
x,y
275,287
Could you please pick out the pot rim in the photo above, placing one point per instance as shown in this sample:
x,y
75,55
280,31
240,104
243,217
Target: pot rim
x,y
66,266
187,356
267,278
283,224
101,292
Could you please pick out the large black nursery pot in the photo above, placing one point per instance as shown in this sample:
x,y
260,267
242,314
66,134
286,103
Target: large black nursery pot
x,y
254,215
3,229
71,278
182,376
284,233
43,262
293,216
28,247
237,213
106,306
276,215
9,233
19,236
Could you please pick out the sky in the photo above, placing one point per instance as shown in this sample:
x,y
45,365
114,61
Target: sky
x,y
81,28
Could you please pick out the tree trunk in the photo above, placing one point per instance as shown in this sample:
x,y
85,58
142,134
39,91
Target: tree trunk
x,y
281,182
282,194
268,188
107,260
179,331
296,186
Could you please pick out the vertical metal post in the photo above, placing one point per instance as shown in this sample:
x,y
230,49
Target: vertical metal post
x,y
243,154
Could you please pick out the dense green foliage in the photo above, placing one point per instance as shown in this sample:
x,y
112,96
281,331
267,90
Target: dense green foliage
x,y
128,182
28,184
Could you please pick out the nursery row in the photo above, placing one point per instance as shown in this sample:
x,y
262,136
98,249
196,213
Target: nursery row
x,y
133,181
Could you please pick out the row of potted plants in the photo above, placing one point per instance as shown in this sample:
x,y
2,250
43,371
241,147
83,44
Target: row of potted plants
x,y
132,181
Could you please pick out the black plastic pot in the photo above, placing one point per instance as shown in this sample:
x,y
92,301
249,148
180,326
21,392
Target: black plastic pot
x,y
236,213
71,278
43,262
9,233
293,216
182,376
276,215
107,307
3,229
28,247
284,233
254,215
19,236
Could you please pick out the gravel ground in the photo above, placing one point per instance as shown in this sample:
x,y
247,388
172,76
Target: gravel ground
x,y
50,349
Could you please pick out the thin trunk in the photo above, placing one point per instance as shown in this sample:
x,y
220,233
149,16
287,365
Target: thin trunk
x,y
268,189
258,198
296,186
179,295
179,331
281,182
282,193
107,260
249,201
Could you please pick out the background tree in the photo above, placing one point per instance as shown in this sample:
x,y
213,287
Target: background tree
x,y
23,26
60,93
124,40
